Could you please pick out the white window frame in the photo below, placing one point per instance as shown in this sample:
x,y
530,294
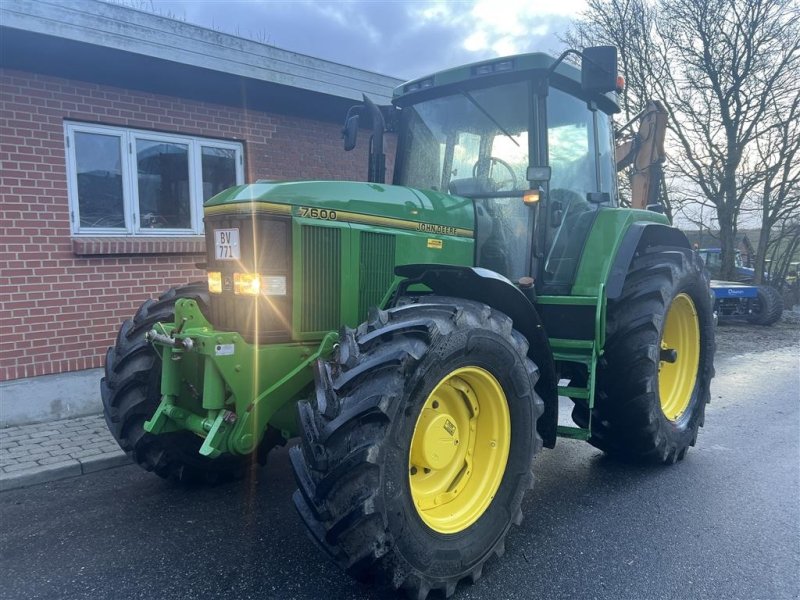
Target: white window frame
x,y
130,181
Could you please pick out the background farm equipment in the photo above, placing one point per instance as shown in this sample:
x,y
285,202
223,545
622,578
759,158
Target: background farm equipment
x,y
760,305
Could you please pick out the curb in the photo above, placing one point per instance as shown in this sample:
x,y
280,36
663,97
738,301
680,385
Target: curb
x,y
71,467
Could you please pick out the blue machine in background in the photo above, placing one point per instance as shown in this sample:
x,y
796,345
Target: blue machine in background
x,y
712,257
741,300
760,305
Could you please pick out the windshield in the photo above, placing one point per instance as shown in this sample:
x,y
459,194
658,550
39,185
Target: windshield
x,y
470,143
475,144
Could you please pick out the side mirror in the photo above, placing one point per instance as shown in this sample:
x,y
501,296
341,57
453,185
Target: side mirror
x,y
350,132
599,69
598,197
538,174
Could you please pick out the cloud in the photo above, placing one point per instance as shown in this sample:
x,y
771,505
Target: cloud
x,y
402,39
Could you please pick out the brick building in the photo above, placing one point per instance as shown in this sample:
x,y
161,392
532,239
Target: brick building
x,y
115,126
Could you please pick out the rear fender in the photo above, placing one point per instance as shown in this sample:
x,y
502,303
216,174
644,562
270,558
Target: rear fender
x,y
640,237
483,285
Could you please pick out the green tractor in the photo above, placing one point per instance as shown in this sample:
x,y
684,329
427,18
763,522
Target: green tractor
x,y
416,337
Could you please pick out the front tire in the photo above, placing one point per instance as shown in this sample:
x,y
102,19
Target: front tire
x,y
131,392
654,377
385,485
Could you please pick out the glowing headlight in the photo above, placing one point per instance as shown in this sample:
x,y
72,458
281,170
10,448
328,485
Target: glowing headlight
x,y
252,284
247,284
215,282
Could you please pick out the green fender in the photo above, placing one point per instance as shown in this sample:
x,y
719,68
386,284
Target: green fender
x,y
483,285
617,234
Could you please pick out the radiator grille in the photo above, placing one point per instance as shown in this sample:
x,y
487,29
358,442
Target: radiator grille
x,y
377,269
321,296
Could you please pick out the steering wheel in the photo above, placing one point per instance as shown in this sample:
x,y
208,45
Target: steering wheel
x,y
492,161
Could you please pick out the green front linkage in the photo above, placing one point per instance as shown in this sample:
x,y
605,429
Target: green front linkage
x,y
230,410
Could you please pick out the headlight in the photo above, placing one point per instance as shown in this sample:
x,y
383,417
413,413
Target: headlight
x,y
253,284
247,284
215,282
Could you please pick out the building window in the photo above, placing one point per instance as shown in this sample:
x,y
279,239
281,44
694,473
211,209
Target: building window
x,y
134,182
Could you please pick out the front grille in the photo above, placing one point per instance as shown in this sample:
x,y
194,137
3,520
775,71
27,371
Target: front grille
x,y
266,248
321,284
376,264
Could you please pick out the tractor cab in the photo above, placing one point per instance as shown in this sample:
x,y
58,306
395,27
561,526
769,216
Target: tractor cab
x,y
530,142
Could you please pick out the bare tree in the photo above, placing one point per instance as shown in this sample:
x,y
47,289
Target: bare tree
x,y
627,24
784,253
778,200
727,72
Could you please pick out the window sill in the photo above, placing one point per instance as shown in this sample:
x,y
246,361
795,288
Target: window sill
x,y
92,246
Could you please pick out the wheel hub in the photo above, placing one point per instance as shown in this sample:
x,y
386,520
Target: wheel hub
x,y
679,357
459,449
436,443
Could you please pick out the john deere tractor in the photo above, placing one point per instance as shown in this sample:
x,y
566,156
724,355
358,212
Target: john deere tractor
x,y
416,337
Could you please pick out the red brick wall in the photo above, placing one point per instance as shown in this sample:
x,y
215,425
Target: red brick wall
x,y
60,311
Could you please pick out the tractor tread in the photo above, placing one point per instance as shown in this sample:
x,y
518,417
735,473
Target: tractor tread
x,y
341,461
130,392
627,421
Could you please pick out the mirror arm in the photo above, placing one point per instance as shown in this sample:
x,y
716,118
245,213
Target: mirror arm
x,y
564,55
377,158
561,58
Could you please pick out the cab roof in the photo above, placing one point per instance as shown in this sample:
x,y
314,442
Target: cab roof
x,y
503,69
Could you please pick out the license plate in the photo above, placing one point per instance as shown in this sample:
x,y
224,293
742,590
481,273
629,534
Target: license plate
x,y
226,244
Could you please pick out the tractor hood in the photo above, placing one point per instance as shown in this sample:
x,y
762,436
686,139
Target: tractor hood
x,y
369,203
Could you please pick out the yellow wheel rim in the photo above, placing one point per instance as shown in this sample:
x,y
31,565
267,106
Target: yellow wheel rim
x,y
459,449
680,357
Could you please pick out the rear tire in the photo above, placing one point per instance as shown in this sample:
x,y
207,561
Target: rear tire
x,y
353,466
131,392
771,306
636,415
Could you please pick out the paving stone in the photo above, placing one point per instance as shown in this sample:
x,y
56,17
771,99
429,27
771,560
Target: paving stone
x,y
19,466
98,438
12,439
43,434
70,445
84,453
19,451
51,460
38,455
92,446
54,441
45,451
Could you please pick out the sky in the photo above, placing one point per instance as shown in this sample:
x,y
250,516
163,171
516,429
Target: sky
x,y
400,38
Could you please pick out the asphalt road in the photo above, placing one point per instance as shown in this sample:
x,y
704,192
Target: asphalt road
x,y
724,523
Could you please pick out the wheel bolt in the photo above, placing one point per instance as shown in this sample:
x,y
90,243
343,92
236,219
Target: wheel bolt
x,y
435,404
413,470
